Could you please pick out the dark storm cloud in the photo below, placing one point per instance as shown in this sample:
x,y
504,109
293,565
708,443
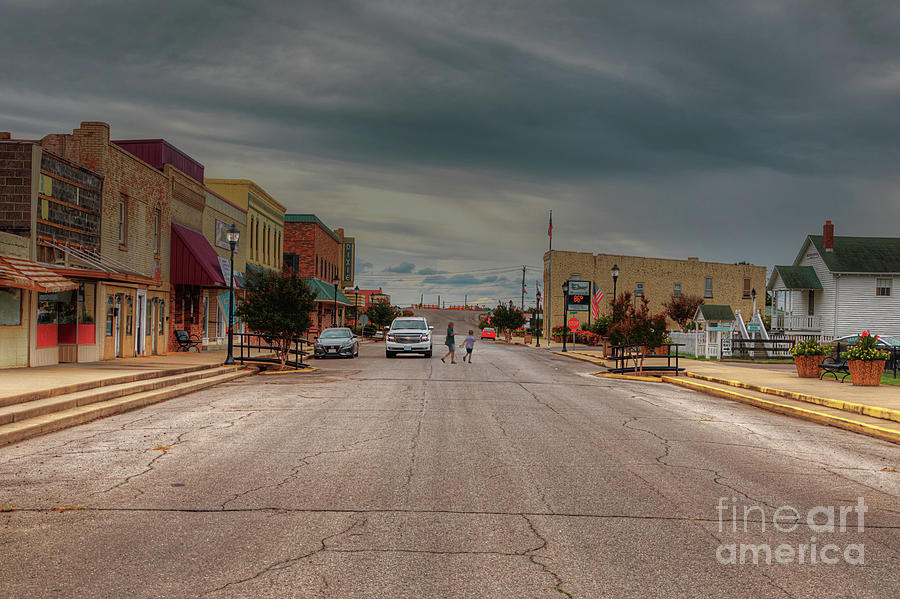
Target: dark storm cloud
x,y
363,267
402,268
442,132
430,271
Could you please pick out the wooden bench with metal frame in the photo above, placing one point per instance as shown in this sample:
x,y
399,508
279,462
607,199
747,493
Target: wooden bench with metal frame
x,y
187,342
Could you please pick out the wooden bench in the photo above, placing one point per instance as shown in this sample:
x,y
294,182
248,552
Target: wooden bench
x,y
834,367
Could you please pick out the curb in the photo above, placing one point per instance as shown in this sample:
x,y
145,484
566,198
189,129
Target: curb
x,y
878,432
577,356
298,371
629,377
837,404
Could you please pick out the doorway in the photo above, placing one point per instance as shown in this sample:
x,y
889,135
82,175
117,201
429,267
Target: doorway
x,y
140,344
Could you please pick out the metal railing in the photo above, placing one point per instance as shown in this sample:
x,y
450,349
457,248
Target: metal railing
x,y
772,347
622,354
247,342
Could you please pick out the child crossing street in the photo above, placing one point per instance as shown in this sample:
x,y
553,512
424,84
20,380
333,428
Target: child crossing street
x,y
470,345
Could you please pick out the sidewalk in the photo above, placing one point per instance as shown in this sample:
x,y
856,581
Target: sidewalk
x,y
873,411
41,380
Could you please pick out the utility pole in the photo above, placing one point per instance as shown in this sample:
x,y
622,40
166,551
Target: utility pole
x,y
467,300
523,288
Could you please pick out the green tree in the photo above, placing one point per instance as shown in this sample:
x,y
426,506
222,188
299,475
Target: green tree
x,y
682,308
278,307
638,328
507,319
381,314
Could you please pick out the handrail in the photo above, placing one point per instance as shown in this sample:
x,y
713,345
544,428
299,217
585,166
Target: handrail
x,y
623,356
296,350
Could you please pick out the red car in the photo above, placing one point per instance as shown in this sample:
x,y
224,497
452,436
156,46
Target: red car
x,y
488,333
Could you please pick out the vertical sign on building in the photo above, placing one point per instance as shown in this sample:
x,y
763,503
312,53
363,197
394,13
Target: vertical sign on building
x,y
348,258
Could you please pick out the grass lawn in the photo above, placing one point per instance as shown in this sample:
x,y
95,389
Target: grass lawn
x,y
887,378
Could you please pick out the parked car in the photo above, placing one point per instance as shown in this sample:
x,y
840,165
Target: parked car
x,y
885,342
488,333
337,342
408,335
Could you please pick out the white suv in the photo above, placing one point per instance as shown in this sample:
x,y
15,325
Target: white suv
x,y
408,335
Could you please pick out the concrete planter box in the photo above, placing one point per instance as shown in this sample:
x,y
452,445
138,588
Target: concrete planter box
x,y
808,366
866,373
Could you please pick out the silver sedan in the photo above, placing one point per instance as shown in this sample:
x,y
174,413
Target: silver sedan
x,y
337,342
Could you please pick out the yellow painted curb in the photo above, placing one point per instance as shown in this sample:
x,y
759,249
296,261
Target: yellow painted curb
x,y
885,434
580,356
630,377
837,404
301,371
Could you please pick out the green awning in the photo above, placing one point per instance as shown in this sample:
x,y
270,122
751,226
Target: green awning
x,y
325,292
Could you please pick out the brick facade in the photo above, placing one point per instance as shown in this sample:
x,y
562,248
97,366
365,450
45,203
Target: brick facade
x,y
658,276
318,251
15,187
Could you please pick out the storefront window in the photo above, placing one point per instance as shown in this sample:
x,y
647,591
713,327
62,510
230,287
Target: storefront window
x,y
10,306
47,312
149,327
86,294
162,316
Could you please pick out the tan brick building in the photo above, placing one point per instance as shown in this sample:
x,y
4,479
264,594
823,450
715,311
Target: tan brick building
x,y
656,278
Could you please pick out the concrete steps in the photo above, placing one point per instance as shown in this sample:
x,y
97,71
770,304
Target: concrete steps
x,y
37,416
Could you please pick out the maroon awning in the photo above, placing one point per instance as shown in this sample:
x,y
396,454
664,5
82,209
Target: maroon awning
x,y
194,261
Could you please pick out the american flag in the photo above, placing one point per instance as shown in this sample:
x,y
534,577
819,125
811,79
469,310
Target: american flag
x,y
596,296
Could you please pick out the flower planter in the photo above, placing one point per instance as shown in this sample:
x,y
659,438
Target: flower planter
x,y
808,366
527,339
866,372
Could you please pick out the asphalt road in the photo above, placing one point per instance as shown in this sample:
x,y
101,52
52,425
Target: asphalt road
x,y
517,476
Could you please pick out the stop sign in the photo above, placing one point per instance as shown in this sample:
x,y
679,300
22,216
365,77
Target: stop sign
x,y
573,323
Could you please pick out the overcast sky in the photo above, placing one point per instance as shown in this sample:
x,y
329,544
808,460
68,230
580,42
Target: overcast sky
x,y
440,133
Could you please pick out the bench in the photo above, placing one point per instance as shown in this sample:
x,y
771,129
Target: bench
x,y
834,367
187,342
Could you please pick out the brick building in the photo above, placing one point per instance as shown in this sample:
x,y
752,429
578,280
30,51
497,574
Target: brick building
x,y
195,272
218,216
655,278
51,209
314,251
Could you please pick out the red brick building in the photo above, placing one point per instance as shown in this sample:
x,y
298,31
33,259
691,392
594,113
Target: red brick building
x,y
313,250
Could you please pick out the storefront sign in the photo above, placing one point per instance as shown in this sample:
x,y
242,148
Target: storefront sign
x,y
579,296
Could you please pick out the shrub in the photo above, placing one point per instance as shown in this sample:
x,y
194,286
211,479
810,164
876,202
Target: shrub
x,y
866,349
810,347
682,308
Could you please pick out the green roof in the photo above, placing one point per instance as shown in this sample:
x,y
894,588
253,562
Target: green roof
x,y
325,292
309,218
861,254
718,313
799,277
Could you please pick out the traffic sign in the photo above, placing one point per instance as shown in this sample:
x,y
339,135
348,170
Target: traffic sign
x,y
574,323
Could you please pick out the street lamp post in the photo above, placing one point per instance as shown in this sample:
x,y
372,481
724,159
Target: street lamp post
x,y
615,276
334,313
356,307
565,327
233,235
537,313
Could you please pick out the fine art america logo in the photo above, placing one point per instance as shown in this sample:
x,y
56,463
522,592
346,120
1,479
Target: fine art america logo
x,y
834,521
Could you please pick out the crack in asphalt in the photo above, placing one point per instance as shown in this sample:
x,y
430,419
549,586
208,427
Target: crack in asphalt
x,y
289,562
533,558
302,463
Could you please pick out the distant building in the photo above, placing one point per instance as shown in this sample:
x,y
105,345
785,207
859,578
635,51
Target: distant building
x,y
658,279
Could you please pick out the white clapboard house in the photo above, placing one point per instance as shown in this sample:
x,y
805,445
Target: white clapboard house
x,y
838,286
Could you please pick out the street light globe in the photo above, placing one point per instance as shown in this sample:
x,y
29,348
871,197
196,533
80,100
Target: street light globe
x,y
233,235
565,286
615,271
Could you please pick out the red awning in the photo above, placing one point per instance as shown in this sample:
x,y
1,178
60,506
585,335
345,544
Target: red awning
x,y
194,261
27,274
